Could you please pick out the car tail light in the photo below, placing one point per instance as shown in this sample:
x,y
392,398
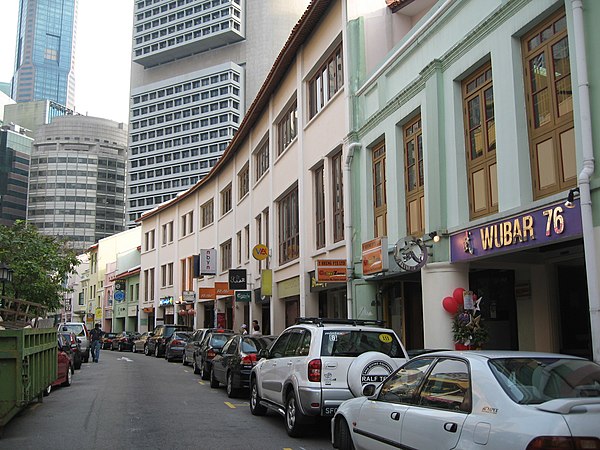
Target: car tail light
x,y
210,354
314,370
564,443
249,359
176,342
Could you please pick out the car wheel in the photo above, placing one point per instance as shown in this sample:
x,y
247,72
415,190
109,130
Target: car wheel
x,y
255,407
47,391
69,377
343,438
231,391
196,368
204,371
214,383
293,416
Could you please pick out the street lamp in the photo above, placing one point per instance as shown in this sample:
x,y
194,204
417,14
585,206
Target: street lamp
x,y
5,275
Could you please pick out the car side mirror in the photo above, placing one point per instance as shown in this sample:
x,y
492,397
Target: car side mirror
x,y
263,353
369,390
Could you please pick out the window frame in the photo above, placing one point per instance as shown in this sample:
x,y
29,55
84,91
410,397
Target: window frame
x,y
226,200
244,181
287,127
412,132
319,207
261,158
289,227
323,85
378,166
337,197
208,213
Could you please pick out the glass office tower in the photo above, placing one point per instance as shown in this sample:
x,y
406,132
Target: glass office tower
x,y
45,52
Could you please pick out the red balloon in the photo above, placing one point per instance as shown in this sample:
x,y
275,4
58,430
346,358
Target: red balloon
x,y
450,305
458,295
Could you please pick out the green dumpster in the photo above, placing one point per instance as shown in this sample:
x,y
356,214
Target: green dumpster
x,y
27,366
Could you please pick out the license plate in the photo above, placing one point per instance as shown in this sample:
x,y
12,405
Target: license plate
x,y
329,410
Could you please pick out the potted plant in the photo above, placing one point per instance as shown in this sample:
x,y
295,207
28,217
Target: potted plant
x,y
468,329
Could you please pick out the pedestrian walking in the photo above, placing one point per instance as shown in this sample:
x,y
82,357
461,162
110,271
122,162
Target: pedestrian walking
x,y
96,337
255,327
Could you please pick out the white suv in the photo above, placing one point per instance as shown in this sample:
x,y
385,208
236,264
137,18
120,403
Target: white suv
x,y
315,365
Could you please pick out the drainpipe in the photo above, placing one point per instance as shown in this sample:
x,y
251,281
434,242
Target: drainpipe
x,y
585,175
348,228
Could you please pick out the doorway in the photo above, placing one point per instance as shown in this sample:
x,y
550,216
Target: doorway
x,y
574,306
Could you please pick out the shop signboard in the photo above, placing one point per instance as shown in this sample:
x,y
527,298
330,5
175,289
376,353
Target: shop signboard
x,y
208,261
541,226
375,256
266,282
260,252
243,296
222,288
237,279
331,270
189,296
207,293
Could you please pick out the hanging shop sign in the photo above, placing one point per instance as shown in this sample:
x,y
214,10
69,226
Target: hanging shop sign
x,y
331,270
289,287
410,254
266,282
208,262
243,296
237,279
222,288
260,252
375,256
206,293
534,228
165,301
188,296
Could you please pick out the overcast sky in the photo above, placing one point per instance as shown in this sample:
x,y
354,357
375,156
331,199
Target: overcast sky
x,y
102,55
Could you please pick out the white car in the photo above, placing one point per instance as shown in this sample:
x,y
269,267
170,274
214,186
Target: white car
x,y
492,400
318,363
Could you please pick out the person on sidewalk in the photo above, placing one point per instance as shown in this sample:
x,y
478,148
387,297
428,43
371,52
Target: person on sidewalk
x,y
96,337
255,327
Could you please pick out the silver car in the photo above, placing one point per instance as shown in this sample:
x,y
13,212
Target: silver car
x,y
82,333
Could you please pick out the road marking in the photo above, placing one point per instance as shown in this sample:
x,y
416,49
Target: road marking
x,y
201,382
186,371
124,359
234,406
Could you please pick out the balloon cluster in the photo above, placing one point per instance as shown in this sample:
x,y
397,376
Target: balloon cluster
x,y
454,303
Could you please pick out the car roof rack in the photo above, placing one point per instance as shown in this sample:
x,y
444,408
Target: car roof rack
x,y
321,321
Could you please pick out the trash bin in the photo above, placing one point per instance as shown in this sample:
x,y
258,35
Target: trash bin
x,y
28,364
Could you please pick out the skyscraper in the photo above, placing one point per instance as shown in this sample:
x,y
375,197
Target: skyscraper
x,y
45,52
196,67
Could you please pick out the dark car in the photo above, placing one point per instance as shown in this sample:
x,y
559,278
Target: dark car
x,y
192,345
139,344
155,345
65,367
233,363
175,345
124,341
107,340
75,348
214,339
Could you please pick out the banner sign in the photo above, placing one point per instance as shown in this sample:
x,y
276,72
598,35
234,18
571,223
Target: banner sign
x,y
375,256
237,279
266,282
331,270
243,296
208,261
534,228
222,288
205,293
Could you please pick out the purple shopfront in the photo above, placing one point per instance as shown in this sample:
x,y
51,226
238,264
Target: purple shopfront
x,y
529,268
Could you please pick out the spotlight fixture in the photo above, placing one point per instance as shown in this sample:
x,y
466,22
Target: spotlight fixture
x,y
571,197
437,235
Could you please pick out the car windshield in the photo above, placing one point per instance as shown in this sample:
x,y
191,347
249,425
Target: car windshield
x,y
253,345
77,329
530,381
218,340
182,336
356,342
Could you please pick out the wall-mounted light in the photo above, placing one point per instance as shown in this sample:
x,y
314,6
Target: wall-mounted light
x,y
571,197
438,235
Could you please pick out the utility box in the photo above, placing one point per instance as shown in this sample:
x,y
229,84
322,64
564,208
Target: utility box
x,y
28,364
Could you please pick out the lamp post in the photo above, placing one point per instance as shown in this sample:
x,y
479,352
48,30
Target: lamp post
x,y
6,274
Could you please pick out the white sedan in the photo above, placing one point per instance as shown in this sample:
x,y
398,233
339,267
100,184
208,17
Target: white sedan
x,y
477,400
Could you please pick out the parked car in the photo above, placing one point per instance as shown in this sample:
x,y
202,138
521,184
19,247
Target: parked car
x,y
155,345
65,368
477,398
75,348
317,364
175,344
124,341
139,344
232,364
214,339
193,345
82,333
107,340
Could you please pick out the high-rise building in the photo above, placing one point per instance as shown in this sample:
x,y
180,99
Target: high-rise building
x,y
196,67
15,155
45,52
77,179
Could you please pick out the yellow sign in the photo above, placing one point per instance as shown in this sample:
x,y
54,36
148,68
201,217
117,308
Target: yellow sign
x,y
260,252
98,313
385,338
266,282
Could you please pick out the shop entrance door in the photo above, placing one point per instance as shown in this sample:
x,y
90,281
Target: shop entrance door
x,y
575,335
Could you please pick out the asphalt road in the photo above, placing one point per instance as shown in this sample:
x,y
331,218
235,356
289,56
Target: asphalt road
x,y
131,401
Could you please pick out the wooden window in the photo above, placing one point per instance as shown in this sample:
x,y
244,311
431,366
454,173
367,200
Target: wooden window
x,y
319,207
413,176
244,181
262,159
149,240
287,128
549,97
226,200
480,142
338,197
328,80
289,228
226,255
379,191
239,247
208,213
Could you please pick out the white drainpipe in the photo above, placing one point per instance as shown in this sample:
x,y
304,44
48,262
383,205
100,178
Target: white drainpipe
x,y
589,243
348,228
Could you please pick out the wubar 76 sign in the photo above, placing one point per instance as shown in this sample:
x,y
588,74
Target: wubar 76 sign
x,y
331,271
